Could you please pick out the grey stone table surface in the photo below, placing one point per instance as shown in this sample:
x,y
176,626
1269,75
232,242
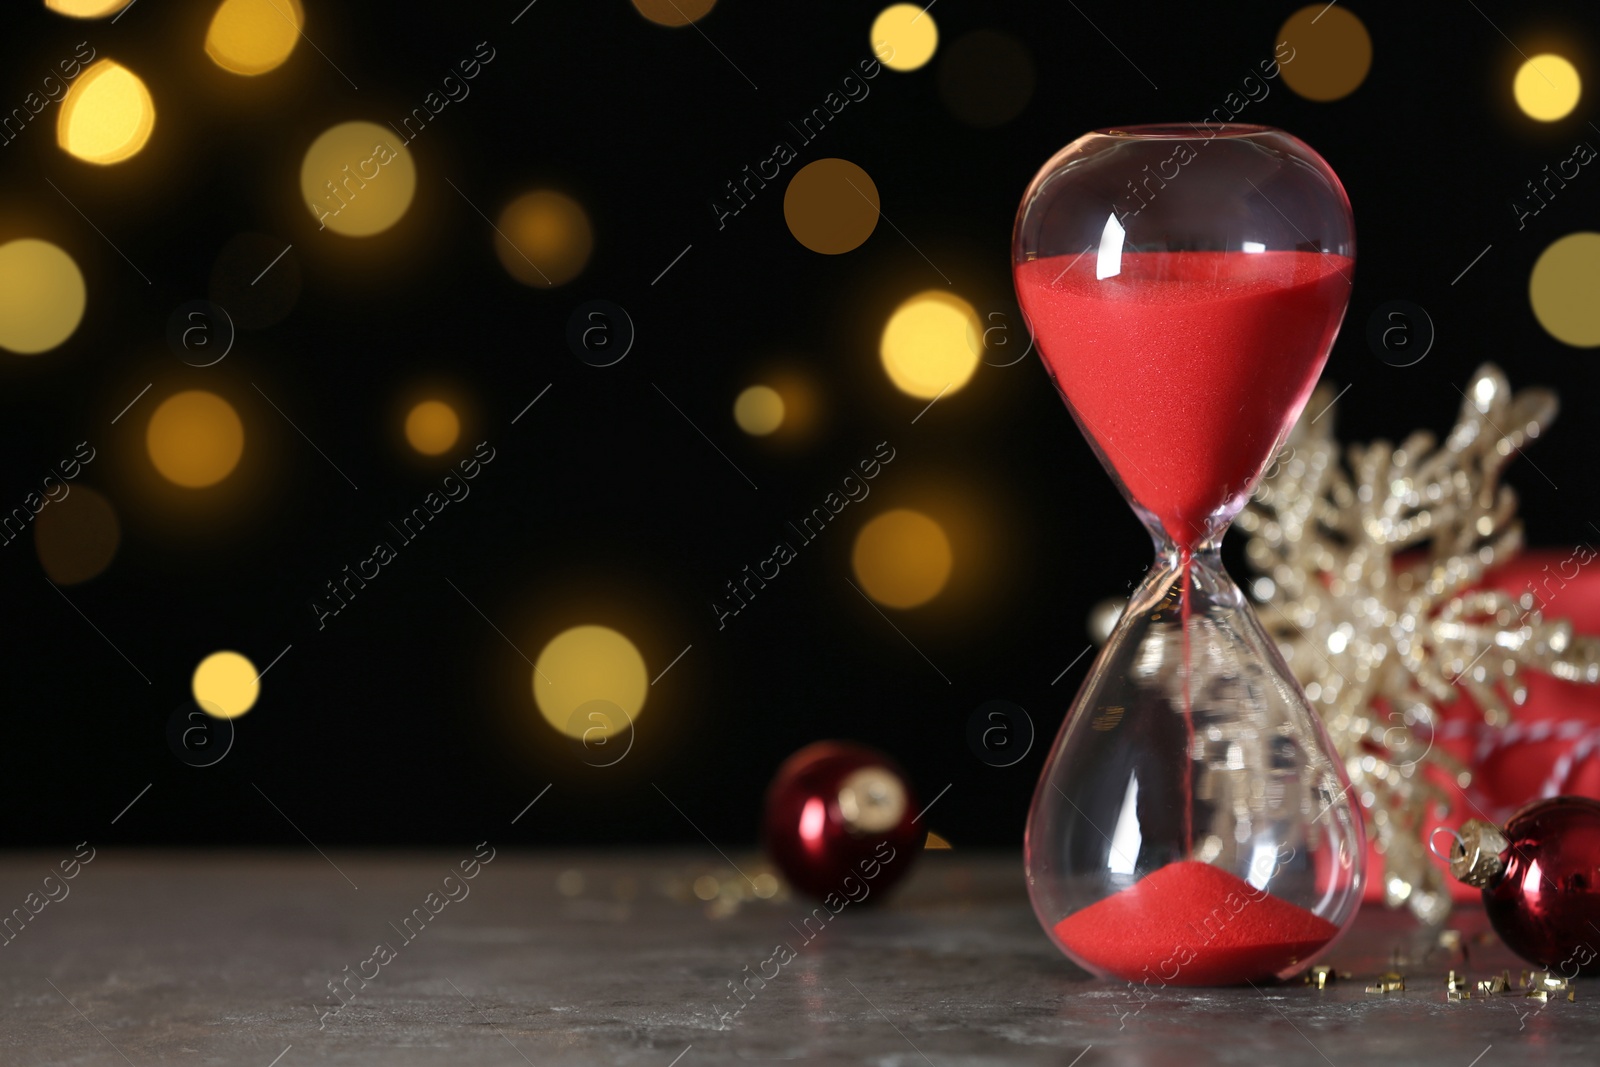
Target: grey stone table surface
x,y
611,958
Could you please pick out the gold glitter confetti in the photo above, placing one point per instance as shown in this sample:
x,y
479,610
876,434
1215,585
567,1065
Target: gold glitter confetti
x,y
1552,982
1388,982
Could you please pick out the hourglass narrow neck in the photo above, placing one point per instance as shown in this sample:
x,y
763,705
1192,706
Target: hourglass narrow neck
x,y
1172,554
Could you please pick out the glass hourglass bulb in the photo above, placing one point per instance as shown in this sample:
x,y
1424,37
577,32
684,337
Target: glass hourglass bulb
x,y
1184,284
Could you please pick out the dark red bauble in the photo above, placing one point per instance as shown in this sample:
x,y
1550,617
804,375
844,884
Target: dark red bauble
x,y
838,822
1540,877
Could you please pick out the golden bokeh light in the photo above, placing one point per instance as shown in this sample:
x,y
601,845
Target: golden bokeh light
x,y
195,439
1547,87
1564,289
543,238
107,115
433,427
42,296
986,78
254,36
76,536
584,664
226,685
358,179
931,343
1329,52
86,9
902,558
674,12
904,36
831,206
759,410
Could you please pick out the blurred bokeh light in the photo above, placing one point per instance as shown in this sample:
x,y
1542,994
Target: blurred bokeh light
x,y
1547,87
931,343
831,206
87,9
902,558
674,12
904,36
107,115
543,238
1329,52
76,536
195,439
357,180
584,664
257,278
226,685
986,78
758,410
433,427
1564,290
254,36
42,296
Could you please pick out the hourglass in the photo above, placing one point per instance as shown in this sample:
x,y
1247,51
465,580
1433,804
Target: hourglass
x,y
1184,285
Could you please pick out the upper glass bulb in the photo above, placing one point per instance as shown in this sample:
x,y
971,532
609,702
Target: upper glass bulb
x,y
1185,284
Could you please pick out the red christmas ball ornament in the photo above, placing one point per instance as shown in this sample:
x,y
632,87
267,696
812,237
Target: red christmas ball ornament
x,y
838,822
1540,877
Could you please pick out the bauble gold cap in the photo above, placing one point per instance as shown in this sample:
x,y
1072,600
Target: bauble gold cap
x,y
1479,853
872,800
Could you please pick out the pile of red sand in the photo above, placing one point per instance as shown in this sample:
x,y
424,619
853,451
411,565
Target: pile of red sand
x,y
1157,930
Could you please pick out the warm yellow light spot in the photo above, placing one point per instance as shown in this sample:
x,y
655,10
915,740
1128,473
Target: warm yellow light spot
x,y
433,427
1324,52
254,36
543,238
107,114
195,439
904,36
41,296
226,685
1565,290
936,842
930,344
674,12
86,9
358,179
76,535
1547,87
584,664
902,558
758,410
831,206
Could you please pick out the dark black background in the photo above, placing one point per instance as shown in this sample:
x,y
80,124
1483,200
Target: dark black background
x,y
408,719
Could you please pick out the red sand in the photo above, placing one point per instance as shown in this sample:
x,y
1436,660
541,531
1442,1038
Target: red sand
x,y
1156,930
1187,366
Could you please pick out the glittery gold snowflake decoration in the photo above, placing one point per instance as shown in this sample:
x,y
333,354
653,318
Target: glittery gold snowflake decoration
x,y
1368,575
